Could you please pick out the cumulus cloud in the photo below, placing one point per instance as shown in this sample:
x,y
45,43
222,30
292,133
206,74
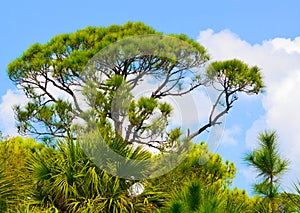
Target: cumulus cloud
x,y
279,60
249,174
7,119
229,135
251,135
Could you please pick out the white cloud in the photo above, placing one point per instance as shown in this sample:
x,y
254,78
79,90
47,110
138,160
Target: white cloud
x,y
287,44
279,60
229,136
251,135
249,175
7,119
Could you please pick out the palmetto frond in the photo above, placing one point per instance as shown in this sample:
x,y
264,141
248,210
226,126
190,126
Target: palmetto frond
x,y
7,189
70,181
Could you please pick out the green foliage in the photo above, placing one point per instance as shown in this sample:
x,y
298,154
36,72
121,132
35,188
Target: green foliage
x,y
64,179
195,197
61,63
294,199
13,154
7,189
200,165
239,76
201,184
290,201
270,166
69,181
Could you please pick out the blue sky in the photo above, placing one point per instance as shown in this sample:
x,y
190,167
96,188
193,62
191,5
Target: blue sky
x,y
260,32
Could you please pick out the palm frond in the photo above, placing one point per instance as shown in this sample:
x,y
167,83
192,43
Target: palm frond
x,y
8,191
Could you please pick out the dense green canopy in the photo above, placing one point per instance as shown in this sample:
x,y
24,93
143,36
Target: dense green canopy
x,y
104,65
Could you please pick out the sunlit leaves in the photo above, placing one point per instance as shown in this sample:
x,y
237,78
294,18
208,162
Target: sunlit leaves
x,y
55,117
7,188
196,197
61,63
236,76
14,178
